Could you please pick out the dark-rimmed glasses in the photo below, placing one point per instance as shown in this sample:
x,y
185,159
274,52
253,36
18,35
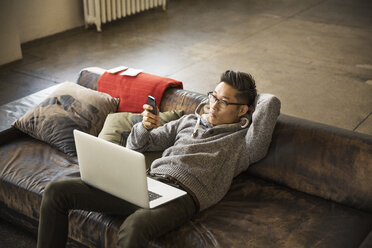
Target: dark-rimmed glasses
x,y
220,102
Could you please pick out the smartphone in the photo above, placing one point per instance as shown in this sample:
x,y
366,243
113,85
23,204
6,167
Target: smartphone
x,y
152,102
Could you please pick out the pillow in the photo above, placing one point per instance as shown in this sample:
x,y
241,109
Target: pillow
x,y
117,126
69,107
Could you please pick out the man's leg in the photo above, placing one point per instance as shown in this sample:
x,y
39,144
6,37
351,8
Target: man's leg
x,y
146,224
61,196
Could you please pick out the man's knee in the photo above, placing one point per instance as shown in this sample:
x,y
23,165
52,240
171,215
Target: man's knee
x,y
146,224
137,222
53,193
52,189
135,232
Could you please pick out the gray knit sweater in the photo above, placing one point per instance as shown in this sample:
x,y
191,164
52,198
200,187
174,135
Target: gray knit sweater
x,y
205,159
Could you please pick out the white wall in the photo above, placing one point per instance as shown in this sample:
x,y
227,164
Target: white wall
x,y
40,18
26,20
10,46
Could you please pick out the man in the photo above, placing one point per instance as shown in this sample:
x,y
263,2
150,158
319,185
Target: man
x,y
203,152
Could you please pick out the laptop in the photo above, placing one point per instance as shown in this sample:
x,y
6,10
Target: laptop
x,y
120,171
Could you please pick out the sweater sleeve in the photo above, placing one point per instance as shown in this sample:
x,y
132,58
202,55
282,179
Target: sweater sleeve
x,y
158,139
259,133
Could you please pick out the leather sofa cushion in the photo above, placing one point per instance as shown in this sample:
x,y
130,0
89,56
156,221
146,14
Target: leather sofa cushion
x,y
257,213
30,165
253,212
27,166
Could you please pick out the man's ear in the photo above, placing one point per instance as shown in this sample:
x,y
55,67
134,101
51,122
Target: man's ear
x,y
243,110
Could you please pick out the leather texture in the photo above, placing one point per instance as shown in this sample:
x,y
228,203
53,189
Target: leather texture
x,y
313,189
328,162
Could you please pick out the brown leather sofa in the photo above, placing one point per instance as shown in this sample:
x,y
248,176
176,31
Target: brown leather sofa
x,y
313,189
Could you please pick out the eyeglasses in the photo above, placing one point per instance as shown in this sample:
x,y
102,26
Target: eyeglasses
x,y
221,103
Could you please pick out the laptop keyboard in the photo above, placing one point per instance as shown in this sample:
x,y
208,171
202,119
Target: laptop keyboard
x,y
153,196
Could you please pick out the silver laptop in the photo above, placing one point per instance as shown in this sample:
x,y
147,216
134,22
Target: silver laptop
x,y
121,172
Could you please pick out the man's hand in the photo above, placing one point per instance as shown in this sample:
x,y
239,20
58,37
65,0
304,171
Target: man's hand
x,y
150,120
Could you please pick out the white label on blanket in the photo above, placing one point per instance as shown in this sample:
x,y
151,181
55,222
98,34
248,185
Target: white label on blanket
x,y
117,69
131,72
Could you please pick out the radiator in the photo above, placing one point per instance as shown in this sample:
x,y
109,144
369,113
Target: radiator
x,y
102,11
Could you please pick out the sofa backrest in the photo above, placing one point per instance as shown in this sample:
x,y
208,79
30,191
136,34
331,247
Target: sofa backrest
x,y
321,160
173,98
317,159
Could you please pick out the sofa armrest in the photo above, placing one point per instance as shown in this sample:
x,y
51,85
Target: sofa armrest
x,y
321,160
12,111
9,135
88,77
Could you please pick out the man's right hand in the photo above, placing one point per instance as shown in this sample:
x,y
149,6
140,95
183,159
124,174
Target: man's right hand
x,y
150,120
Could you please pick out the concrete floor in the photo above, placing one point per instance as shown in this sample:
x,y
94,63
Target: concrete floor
x,y
315,55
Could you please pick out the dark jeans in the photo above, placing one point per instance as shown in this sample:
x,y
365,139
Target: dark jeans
x,y
140,226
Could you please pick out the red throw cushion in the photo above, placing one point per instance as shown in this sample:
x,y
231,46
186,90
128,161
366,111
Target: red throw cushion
x,y
133,91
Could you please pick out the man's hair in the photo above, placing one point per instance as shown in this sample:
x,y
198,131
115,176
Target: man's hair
x,y
244,83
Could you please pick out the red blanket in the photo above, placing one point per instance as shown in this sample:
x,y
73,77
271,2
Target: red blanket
x,y
133,91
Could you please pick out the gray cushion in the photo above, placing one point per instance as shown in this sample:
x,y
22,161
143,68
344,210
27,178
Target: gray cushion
x,y
118,125
69,107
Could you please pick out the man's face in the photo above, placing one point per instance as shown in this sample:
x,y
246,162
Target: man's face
x,y
225,115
